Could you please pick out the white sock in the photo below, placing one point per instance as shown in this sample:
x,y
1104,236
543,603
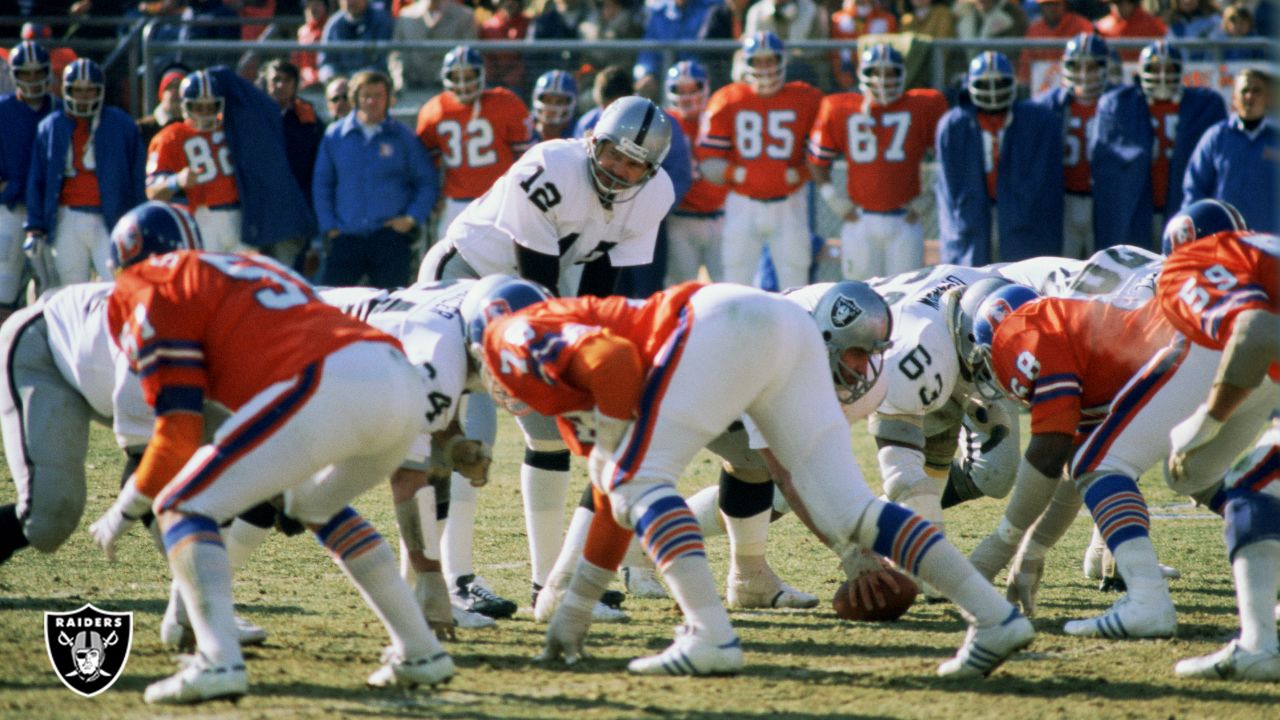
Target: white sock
x,y
748,537
575,539
1136,563
636,557
203,575
689,579
459,530
544,493
374,574
241,539
1255,568
705,506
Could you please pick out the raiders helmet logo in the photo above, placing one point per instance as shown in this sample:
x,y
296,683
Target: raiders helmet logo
x,y
88,647
844,311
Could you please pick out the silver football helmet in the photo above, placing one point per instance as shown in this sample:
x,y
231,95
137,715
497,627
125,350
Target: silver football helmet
x,y
639,130
851,315
960,307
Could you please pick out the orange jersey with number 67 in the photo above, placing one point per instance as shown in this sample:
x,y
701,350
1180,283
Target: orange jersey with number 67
x,y
180,146
1204,285
763,135
229,325
474,148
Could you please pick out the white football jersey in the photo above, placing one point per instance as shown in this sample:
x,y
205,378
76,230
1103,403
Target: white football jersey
x,y
1124,274
547,202
76,318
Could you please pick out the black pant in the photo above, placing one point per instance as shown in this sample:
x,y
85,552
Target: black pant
x,y
382,255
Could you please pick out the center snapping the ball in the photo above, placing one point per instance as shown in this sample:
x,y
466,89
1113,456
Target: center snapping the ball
x,y
850,607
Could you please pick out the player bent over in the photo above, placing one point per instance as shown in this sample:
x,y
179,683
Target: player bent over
x,y
651,379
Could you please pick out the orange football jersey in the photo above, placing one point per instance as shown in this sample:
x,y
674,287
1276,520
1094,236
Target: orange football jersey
x,y
79,181
1164,125
1068,358
703,196
474,148
228,324
884,144
1075,157
1205,284
763,135
179,146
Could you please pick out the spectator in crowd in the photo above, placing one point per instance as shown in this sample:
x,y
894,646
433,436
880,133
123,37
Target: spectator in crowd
x,y
793,21
254,10
1128,19
1143,140
1055,21
1193,19
316,14
987,146
302,127
373,186
168,109
428,20
724,22
613,20
557,20
931,17
1238,159
668,20
854,19
169,13
554,103
508,22
611,83
984,19
336,98
355,20
1237,22
209,10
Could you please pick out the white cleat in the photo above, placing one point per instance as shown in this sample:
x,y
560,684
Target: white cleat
x,y
765,590
691,655
430,670
642,582
984,649
468,620
1130,617
1232,662
606,614
1099,563
549,597
197,682
180,636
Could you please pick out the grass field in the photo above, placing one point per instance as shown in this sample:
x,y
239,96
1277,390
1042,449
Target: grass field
x,y
800,664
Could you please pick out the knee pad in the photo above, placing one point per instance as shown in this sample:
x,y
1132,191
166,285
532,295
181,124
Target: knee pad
x,y
553,460
1251,518
740,499
630,500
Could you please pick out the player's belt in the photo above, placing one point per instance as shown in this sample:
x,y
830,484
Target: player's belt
x,y
227,206
698,215
896,212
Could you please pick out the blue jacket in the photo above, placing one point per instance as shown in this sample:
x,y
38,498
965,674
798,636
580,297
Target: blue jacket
x,y
1120,159
376,24
359,184
272,205
666,21
1239,167
1028,186
19,122
119,164
679,160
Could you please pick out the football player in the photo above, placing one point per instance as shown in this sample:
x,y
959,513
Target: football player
x,y
20,113
1221,288
555,103
86,172
753,134
473,132
883,134
696,226
647,388
192,158
305,363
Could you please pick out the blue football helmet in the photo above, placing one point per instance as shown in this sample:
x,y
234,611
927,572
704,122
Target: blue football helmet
x,y
997,306
688,86
488,300
990,82
882,73
555,84
83,73
462,74
1200,219
29,67
1160,71
1085,64
764,45
202,103
152,228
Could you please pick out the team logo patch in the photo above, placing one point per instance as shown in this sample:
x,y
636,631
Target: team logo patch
x,y
386,150
88,647
996,311
1181,230
844,312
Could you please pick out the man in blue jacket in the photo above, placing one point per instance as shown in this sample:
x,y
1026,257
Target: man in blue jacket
x,y
999,189
20,112
373,186
355,20
86,172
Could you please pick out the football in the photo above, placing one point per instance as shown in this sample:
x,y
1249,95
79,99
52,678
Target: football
x,y
896,603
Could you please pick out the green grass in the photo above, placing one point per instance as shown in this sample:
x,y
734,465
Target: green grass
x,y
800,664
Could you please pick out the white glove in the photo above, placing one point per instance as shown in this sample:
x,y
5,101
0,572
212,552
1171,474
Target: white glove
x,y
838,202
792,176
857,562
609,431
1023,583
565,635
1189,435
36,248
471,459
122,514
739,174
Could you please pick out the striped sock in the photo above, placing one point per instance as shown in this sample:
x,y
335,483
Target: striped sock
x,y
1118,509
202,572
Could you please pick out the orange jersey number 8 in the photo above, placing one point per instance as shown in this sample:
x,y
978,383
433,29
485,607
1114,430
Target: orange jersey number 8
x,y
200,158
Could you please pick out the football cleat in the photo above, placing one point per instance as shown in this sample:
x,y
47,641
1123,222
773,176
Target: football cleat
x,y
642,582
1232,662
984,649
179,635
765,590
602,611
468,620
430,670
1130,617
1100,565
198,681
474,595
691,655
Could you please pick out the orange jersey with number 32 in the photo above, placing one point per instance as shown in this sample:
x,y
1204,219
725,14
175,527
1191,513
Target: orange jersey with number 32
x,y
474,148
